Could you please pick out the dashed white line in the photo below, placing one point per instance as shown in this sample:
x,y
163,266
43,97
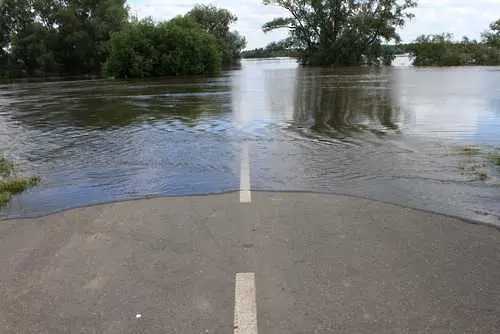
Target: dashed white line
x,y
245,307
245,194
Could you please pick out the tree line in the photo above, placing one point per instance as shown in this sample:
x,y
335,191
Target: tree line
x,y
40,38
272,50
99,37
443,50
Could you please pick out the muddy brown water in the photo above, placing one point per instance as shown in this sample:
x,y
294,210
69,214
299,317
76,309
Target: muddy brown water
x,y
386,134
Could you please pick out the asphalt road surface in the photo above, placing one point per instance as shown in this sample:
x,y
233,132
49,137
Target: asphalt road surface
x,y
266,263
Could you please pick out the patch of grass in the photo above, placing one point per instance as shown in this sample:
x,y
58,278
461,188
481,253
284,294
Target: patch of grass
x,y
18,185
4,198
6,167
495,159
479,161
10,184
469,150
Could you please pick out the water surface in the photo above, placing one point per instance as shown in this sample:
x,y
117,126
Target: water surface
x,y
387,134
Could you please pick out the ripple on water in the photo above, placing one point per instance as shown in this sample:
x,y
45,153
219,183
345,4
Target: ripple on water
x,y
382,134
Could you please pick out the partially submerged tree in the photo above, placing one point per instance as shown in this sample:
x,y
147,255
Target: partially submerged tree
x,y
272,50
74,38
59,37
443,50
148,49
341,32
217,21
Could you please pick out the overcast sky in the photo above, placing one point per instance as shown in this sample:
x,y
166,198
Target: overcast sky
x,y
461,17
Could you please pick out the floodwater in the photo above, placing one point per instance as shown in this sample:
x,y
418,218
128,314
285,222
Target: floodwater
x,y
391,134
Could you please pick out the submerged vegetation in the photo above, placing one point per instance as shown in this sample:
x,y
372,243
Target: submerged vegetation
x,y
272,50
444,50
10,183
479,160
75,38
145,49
6,167
341,32
467,150
350,33
495,159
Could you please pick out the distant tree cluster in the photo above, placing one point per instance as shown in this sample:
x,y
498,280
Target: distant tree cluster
x,y
272,50
89,37
442,50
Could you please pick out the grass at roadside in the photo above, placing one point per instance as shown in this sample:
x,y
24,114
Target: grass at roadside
x,y
4,198
495,159
481,162
11,184
6,167
468,150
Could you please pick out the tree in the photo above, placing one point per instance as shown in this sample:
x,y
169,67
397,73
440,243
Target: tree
x,y
443,50
78,37
341,32
84,27
61,37
272,50
217,21
145,49
492,37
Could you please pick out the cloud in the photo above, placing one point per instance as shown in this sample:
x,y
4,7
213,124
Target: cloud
x,y
460,17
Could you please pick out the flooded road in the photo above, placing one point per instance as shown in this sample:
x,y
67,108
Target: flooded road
x,y
386,134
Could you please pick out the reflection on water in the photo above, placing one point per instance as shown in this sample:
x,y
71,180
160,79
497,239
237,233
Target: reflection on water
x,y
461,104
342,103
378,133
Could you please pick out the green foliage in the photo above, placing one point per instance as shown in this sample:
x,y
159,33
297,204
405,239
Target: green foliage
x,y
52,37
492,37
272,50
388,54
145,49
479,160
11,185
6,167
217,21
442,50
341,32
16,186
468,150
495,159
131,51
4,198
88,37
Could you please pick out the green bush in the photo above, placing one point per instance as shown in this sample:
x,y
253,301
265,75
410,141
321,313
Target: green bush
x,y
178,47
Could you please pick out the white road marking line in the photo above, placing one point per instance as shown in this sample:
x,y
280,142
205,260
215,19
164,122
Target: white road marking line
x,y
245,194
245,306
